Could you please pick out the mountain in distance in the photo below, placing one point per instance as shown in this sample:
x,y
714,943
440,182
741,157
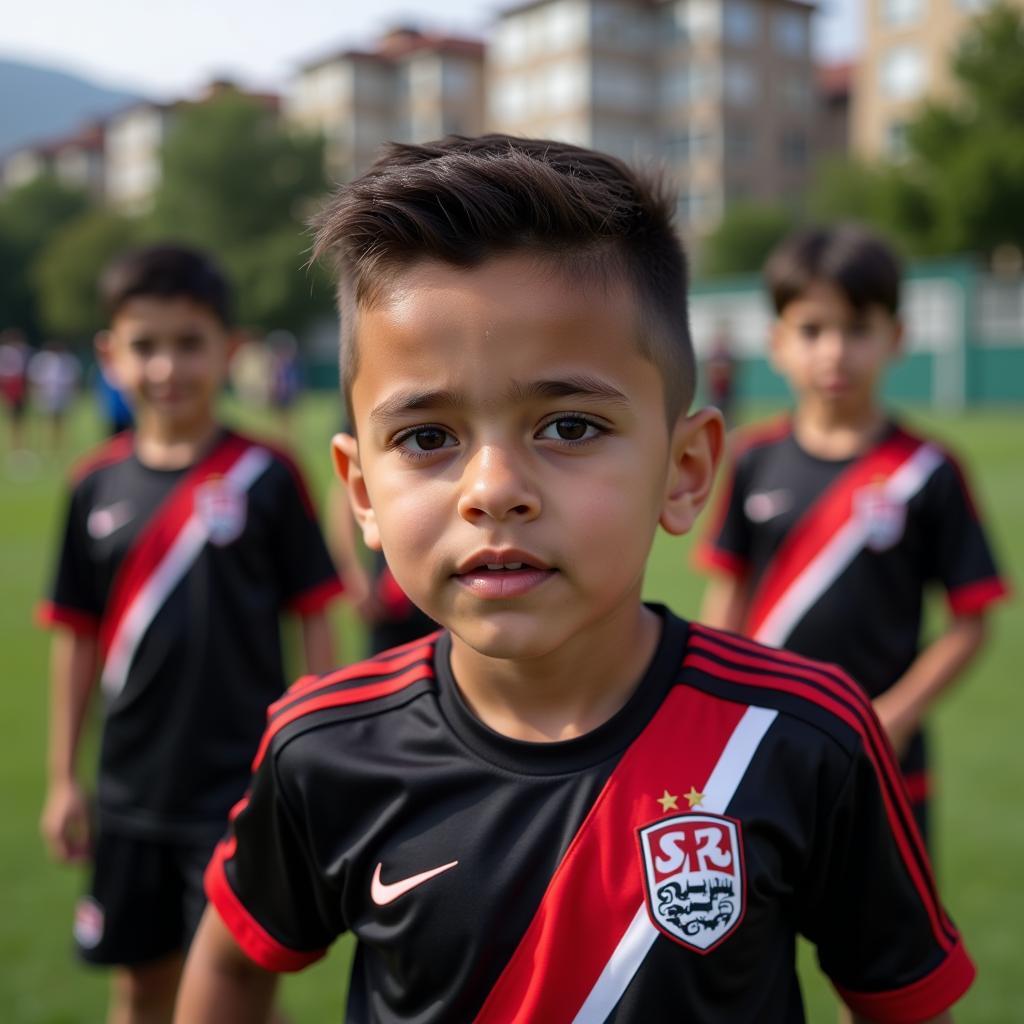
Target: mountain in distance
x,y
39,103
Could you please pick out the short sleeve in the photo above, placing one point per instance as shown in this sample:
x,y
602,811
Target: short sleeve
x,y
305,570
963,559
264,883
74,600
725,547
870,906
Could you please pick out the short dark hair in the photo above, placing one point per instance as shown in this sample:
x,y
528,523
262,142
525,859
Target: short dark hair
x,y
462,201
847,256
166,271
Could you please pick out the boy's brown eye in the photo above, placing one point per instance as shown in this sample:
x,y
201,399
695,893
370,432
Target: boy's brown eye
x,y
571,430
429,439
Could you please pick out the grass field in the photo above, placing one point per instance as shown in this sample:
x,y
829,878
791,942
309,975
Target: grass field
x,y
980,826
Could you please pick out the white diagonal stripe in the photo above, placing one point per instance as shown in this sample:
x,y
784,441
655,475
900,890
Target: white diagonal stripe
x,y
829,564
638,938
165,577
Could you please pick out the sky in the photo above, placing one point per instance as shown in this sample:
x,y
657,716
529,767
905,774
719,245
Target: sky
x,y
169,50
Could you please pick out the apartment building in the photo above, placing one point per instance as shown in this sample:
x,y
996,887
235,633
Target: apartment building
x,y
721,92
908,46
75,160
133,154
410,86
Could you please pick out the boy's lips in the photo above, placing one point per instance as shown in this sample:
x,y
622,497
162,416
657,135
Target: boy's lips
x,y
502,573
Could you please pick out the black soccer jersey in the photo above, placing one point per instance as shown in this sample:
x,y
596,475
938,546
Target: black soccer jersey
x,y
838,554
182,575
655,869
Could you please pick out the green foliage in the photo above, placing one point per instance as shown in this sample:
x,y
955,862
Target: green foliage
x,y
237,183
66,272
29,217
960,187
743,239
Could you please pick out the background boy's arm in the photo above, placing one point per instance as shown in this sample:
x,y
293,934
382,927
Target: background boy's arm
x,y
65,818
903,706
317,643
725,602
221,985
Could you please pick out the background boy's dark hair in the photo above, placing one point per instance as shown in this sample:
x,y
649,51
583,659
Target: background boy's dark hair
x,y
463,200
166,271
849,257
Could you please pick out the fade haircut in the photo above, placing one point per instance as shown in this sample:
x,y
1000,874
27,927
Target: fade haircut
x,y
462,201
166,271
848,257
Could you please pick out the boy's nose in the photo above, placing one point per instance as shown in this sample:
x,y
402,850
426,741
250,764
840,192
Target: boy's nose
x,y
494,486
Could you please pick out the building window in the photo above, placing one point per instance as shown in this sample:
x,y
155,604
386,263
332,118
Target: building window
x,y
901,12
790,29
739,142
793,148
739,83
685,85
896,140
690,144
796,94
902,73
740,23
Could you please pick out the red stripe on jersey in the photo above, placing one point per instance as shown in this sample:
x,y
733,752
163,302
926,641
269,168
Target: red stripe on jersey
x,y
817,526
418,650
159,534
971,598
894,797
255,941
707,554
316,598
918,785
923,999
116,449
598,886
82,623
339,698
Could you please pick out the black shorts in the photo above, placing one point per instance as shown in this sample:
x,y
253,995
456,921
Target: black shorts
x,y
917,778
145,901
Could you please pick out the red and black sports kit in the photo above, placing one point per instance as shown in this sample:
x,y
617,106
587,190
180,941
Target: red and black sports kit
x,y
658,868
182,576
838,554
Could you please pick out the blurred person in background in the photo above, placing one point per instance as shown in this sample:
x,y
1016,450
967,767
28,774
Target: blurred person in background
x,y
54,373
720,372
14,357
184,543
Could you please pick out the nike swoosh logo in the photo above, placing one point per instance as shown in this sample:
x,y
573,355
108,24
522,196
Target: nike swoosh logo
x,y
382,893
102,522
764,505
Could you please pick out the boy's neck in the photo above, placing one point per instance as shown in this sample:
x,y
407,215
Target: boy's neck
x,y
567,693
837,434
160,446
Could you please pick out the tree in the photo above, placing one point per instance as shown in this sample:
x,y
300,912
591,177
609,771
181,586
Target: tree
x,y
237,183
29,217
743,239
960,187
66,272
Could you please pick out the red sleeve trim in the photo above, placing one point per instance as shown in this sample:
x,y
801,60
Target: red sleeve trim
x,y
973,597
316,598
707,556
253,939
82,623
927,997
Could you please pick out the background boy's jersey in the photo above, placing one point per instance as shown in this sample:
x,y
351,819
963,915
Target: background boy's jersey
x,y
838,554
182,575
655,869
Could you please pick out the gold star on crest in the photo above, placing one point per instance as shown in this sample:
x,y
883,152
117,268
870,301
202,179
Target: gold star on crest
x,y
695,799
668,801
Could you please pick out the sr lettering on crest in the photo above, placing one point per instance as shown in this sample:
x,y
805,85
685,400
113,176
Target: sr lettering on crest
x,y
693,877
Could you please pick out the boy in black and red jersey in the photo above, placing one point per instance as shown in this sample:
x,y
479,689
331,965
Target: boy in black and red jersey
x,y
183,543
837,519
568,805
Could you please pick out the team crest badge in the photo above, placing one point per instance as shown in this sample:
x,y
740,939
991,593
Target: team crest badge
x,y
882,517
221,508
693,877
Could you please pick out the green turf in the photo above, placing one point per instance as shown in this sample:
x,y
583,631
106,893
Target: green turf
x,y
980,828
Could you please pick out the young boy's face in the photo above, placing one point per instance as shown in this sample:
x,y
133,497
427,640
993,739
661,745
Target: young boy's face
x,y
514,457
831,353
170,356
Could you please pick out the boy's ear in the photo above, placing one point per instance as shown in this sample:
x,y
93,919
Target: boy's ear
x,y
695,447
345,453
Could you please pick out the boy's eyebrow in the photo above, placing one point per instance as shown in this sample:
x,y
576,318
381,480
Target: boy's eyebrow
x,y
575,386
